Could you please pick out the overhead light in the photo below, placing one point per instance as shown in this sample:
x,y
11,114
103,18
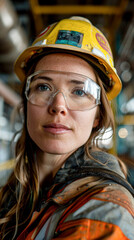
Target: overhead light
x,y
128,107
125,66
15,36
6,17
6,135
126,76
3,121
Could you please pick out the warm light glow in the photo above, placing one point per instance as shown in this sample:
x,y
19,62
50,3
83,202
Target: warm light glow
x,y
123,133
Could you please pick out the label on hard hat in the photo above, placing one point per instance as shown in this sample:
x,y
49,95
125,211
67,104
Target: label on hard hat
x,y
70,37
103,43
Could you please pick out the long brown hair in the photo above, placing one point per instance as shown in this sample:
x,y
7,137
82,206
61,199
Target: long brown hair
x,y
22,188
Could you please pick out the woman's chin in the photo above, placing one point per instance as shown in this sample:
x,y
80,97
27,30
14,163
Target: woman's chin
x,y
57,149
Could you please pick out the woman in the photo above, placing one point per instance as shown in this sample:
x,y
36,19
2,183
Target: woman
x,y
62,186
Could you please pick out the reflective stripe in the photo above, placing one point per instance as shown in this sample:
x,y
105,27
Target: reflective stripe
x,y
107,213
105,210
85,229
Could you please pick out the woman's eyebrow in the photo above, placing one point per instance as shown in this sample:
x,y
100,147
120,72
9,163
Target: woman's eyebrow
x,y
43,78
51,79
77,81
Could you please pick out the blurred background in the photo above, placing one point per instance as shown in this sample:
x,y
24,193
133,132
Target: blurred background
x,y
21,21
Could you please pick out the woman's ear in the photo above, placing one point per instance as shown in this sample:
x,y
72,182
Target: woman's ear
x,y
96,122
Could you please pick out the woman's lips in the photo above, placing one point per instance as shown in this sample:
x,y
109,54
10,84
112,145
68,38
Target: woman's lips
x,y
55,128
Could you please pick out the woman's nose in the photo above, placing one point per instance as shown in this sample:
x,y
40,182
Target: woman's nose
x,y
58,104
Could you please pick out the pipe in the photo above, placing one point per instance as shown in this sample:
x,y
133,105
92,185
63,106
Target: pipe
x,y
13,39
9,95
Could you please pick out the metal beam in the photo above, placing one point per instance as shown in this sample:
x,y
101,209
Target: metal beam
x,y
107,10
127,120
7,165
76,9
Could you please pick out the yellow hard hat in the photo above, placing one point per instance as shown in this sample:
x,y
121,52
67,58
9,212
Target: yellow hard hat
x,y
77,36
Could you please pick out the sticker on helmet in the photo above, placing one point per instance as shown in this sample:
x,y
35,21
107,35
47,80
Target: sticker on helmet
x,y
70,37
43,32
103,43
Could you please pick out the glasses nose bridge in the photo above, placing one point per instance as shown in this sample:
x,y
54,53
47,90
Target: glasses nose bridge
x,y
57,92
54,94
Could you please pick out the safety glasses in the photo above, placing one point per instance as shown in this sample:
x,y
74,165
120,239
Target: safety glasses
x,y
79,92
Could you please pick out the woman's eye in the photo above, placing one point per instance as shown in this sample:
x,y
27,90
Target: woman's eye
x,y
43,87
79,92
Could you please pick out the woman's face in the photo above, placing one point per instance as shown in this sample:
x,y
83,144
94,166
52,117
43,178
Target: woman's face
x,y
53,127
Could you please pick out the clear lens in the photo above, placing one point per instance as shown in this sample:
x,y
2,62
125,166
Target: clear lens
x,y
79,92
